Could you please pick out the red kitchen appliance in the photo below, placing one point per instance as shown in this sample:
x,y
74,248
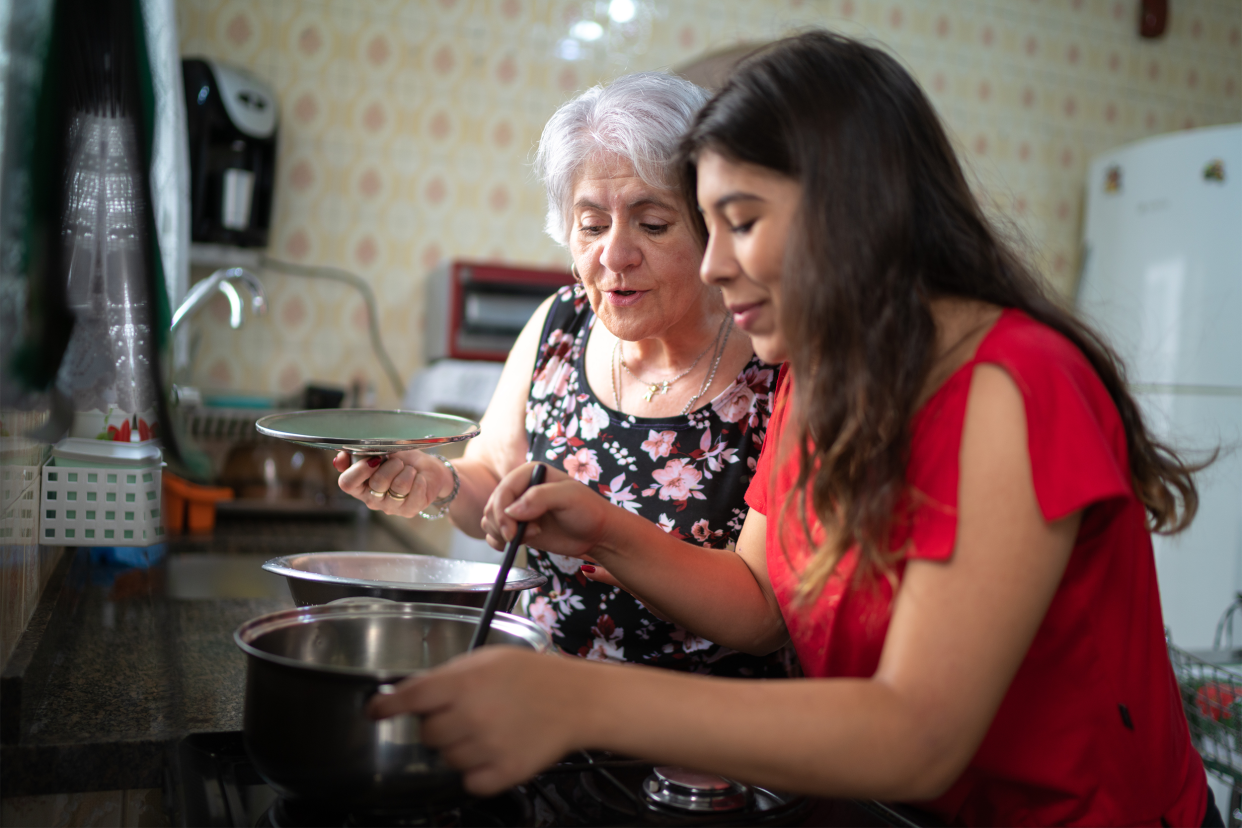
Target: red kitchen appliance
x,y
476,310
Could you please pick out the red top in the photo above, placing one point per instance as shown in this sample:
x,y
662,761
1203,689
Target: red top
x,y
1091,731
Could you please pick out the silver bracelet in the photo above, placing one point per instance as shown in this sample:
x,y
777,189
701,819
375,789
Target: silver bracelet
x,y
441,506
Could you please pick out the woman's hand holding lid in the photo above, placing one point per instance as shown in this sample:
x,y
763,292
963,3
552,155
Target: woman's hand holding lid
x,y
403,484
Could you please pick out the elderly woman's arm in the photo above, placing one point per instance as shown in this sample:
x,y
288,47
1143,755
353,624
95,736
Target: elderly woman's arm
x,y
500,446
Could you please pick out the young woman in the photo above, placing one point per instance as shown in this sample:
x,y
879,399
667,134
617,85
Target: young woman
x,y
950,517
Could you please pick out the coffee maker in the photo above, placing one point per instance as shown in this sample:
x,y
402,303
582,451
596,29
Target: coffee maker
x,y
232,118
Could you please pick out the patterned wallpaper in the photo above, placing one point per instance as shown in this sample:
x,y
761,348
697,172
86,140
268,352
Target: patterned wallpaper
x,y
408,127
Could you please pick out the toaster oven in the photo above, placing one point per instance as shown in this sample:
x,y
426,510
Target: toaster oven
x,y
477,310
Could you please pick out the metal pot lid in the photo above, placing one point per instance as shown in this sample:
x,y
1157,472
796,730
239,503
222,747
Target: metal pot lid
x,y
250,632
400,570
366,430
693,791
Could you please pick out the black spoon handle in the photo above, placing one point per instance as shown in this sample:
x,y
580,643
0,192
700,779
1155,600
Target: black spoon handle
x,y
537,476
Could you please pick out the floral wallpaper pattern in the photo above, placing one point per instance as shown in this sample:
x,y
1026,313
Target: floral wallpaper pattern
x,y
408,127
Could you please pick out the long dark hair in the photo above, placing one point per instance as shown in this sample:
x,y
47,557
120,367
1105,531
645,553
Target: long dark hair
x,y
887,223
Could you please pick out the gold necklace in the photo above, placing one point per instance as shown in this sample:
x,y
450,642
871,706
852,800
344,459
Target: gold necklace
x,y
661,387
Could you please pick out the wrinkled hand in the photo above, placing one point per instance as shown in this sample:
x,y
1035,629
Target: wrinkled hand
x,y
497,714
415,474
562,515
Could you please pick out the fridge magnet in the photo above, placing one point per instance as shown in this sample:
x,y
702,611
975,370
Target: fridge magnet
x,y
1112,179
1214,171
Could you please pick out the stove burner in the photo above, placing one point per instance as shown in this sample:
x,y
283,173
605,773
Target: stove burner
x,y
294,813
697,793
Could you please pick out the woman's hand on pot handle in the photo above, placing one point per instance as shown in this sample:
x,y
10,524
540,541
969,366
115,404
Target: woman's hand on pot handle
x,y
562,515
497,715
403,484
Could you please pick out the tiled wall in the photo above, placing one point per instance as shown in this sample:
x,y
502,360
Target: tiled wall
x,y
408,126
24,564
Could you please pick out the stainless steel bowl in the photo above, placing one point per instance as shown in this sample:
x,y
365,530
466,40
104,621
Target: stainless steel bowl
x,y
320,577
309,675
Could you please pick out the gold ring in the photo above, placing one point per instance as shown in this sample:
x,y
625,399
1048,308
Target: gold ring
x,y
396,496
380,495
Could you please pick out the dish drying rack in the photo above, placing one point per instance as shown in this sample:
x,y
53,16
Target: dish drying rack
x,y
1212,699
1211,687
217,430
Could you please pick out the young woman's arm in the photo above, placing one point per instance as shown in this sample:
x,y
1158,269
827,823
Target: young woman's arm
x,y
722,595
958,633
500,446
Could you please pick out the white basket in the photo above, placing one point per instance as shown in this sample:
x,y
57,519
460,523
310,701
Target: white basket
x,y
19,488
100,506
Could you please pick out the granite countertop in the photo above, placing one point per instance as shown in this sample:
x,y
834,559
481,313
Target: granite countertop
x,y
120,662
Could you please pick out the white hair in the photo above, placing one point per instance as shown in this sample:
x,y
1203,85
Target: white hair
x,y
639,117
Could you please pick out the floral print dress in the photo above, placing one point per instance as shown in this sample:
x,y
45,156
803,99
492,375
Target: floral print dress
x,y
688,474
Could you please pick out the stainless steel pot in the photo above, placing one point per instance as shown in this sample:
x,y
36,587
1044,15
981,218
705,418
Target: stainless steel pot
x,y
309,675
320,577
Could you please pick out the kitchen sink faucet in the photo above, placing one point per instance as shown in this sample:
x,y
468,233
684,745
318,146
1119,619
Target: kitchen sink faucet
x,y
223,280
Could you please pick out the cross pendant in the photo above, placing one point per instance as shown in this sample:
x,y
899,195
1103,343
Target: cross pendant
x,y
652,390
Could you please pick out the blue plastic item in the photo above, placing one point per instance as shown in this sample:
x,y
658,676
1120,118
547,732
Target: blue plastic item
x,y
140,557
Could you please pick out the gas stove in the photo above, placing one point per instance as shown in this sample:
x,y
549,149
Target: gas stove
x,y
211,782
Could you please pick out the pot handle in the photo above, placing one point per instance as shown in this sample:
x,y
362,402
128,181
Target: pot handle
x,y
400,730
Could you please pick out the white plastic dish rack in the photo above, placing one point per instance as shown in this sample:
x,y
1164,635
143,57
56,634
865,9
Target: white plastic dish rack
x,y
18,523
102,504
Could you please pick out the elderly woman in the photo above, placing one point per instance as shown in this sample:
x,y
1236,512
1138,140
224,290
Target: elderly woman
x,y
661,408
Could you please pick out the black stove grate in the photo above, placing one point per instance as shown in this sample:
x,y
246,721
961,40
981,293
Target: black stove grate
x,y
211,783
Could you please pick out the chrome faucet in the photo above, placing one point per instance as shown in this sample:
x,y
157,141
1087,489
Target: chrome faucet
x,y
223,281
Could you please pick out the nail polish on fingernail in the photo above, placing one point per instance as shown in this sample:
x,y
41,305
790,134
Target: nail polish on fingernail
x,y
588,569
374,461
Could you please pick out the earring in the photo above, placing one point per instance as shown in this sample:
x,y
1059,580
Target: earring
x,y
573,269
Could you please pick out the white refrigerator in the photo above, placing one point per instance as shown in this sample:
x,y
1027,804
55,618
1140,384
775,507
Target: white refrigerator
x,y
1162,278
